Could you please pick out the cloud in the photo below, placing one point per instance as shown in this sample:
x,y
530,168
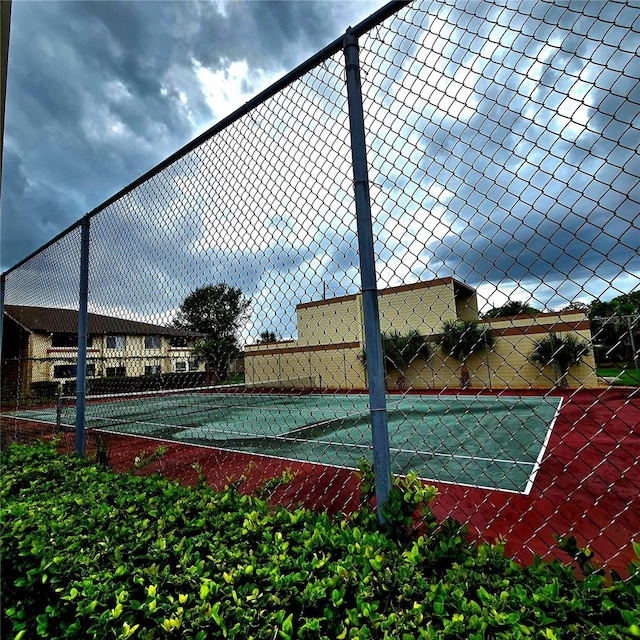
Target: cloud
x,y
518,128
502,150
100,92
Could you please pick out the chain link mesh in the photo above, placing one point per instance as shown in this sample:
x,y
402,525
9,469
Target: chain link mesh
x,y
34,357
226,321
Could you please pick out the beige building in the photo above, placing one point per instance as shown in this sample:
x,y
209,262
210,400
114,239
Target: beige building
x,y
41,345
330,340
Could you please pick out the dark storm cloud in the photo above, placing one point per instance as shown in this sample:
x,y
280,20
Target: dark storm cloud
x,y
532,188
539,158
99,92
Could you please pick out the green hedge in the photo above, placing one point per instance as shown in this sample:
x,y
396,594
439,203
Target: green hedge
x,y
87,553
44,389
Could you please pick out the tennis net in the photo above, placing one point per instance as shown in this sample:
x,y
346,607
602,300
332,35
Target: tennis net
x,y
217,414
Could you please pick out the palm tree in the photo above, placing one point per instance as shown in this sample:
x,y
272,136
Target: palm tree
x,y
561,353
399,351
461,339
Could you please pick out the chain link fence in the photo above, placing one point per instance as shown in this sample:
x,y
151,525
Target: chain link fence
x,y
230,321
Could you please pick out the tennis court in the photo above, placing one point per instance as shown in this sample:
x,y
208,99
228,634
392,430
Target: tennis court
x,y
480,441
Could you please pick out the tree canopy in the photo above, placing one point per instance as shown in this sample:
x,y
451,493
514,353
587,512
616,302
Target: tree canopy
x,y
622,305
267,336
512,308
614,324
461,339
561,353
217,311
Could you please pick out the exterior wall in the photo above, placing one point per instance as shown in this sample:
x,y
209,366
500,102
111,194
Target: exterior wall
x,y
325,357
466,304
507,364
15,344
516,339
42,357
330,321
324,367
422,308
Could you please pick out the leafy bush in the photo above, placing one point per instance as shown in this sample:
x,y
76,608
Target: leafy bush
x,y
44,389
87,553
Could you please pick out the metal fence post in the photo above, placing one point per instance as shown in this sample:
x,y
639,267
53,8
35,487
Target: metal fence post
x,y
2,279
81,371
373,338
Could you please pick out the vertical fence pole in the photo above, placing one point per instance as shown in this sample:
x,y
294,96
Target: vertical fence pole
x,y
83,309
373,338
2,281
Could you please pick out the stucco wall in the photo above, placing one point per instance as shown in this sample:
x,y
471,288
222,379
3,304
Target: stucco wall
x,y
135,357
423,309
333,367
322,359
330,321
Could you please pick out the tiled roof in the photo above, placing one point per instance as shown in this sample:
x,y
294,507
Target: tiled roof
x,y
50,320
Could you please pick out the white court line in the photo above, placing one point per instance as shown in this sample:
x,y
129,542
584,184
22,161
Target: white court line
x,y
288,437
543,449
314,462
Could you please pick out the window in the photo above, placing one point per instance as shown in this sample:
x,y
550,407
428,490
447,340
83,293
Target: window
x,y
68,340
153,342
152,370
182,366
178,341
116,372
71,370
116,342
64,340
64,371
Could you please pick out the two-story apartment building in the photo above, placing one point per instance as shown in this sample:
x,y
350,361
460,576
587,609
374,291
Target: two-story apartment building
x,y
326,353
40,344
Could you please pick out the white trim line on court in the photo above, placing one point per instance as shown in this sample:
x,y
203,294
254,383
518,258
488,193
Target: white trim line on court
x,y
225,450
543,449
313,462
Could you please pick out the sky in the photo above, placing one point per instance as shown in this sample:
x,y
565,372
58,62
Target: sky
x,y
100,92
502,147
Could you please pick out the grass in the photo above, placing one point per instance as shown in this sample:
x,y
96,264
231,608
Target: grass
x,y
237,378
625,377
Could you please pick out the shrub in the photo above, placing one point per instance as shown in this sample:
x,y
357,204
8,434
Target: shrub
x,y
87,553
44,389
400,351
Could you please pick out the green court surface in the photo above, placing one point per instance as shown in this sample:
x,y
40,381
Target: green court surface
x,y
479,441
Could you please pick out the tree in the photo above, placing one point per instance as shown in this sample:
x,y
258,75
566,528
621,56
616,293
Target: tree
x,y
218,312
217,356
577,305
616,325
399,351
268,336
463,338
512,308
561,353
